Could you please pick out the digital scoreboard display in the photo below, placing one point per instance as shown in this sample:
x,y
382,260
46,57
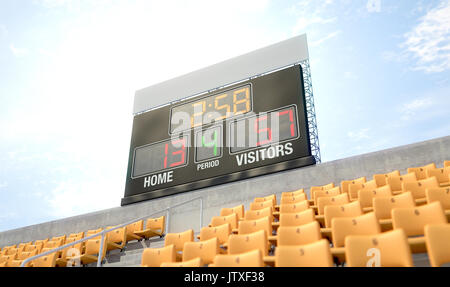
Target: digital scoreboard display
x,y
249,129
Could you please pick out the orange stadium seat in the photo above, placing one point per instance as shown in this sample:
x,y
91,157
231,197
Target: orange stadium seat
x,y
439,194
293,193
272,197
315,254
45,261
326,193
296,219
354,188
346,183
299,235
294,207
437,239
206,250
383,206
421,171
252,258
221,232
396,182
381,179
116,239
71,251
241,243
91,252
154,227
132,228
333,200
231,219
261,204
388,249
366,196
418,188
352,209
260,213
250,226
293,199
441,174
178,240
239,210
154,257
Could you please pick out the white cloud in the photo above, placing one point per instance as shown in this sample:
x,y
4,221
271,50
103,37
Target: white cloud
x,y
359,135
428,43
327,37
373,6
410,109
18,52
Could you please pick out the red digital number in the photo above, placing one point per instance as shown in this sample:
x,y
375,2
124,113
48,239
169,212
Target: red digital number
x,y
291,119
181,151
259,131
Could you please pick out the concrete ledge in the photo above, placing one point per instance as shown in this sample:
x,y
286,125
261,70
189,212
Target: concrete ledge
x,y
232,194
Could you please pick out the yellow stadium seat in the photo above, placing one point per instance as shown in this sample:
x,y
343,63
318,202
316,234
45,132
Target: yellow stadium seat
x,y
293,199
219,220
116,239
252,258
294,207
261,204
366,196
442,195
388,249
396,182
315,254
260,213
413,221
366,224
437,239
354,188
322,187
381,179
239,210
418,188
250,226
206,250
178,240
333,200
154,257
299,235
296,219
293,193
241,243
91,252
153,227
272,197
441,174
45,261
132,228
71,251
7,259
346,183
421,171
221,232
196,262
352,209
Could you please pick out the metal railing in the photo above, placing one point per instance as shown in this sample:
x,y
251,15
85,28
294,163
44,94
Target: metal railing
x,y
104,232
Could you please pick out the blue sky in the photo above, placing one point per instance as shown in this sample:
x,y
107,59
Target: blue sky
x,y
69,70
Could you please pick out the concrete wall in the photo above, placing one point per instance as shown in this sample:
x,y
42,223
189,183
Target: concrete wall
x,y
232,194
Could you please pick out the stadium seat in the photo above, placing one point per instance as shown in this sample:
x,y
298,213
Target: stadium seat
x,y
388,249
250,226
296,219
219,220
239,210
45,261
7,259
382,206
326,193
31,248
116,239
241,243
333,200
21,257
91,252
299,235
322,187
93,232
294,207
396,182
421,171
206,250
272,197
252,258
366,196
437,240
315,254
178,240
441,174
71,251
78,235
381,179
261,204
346,210
221,232
260,213
293,199
413,221
154,257
418,188
354,188
293,193
196,262
132,228
440,194
346,183
154,227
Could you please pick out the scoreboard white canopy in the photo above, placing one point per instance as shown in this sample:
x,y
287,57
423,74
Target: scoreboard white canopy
x,y
260,61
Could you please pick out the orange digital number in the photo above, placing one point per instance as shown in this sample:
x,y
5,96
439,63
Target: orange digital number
x,y
245,91
194,121
217,107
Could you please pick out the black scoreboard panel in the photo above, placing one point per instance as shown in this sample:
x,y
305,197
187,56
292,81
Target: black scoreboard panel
x,y
252,128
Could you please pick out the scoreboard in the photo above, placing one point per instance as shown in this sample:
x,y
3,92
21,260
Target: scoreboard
x,y
255,127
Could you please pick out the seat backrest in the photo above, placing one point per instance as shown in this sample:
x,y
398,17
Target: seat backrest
x,y
221,232
206,250
351,209
93,247
156,224
346,183
261,204
439,194
272,197
260,213
296,219
250,226
354,188
417,188
382,206
135,226
326,193
312,189
294,207
413,220
298,235
154,257
196,262
293,199
366,224
93,232
421,171
26,254
239,210
396,182
73,250
240,243
316,254
331,200
219,220
381,179
178,239
437,239
366,196
293,193
252,258
441,174
45,261
387,249
117,235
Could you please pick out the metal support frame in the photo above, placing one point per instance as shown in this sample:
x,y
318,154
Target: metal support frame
x,y
311,111
104,232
